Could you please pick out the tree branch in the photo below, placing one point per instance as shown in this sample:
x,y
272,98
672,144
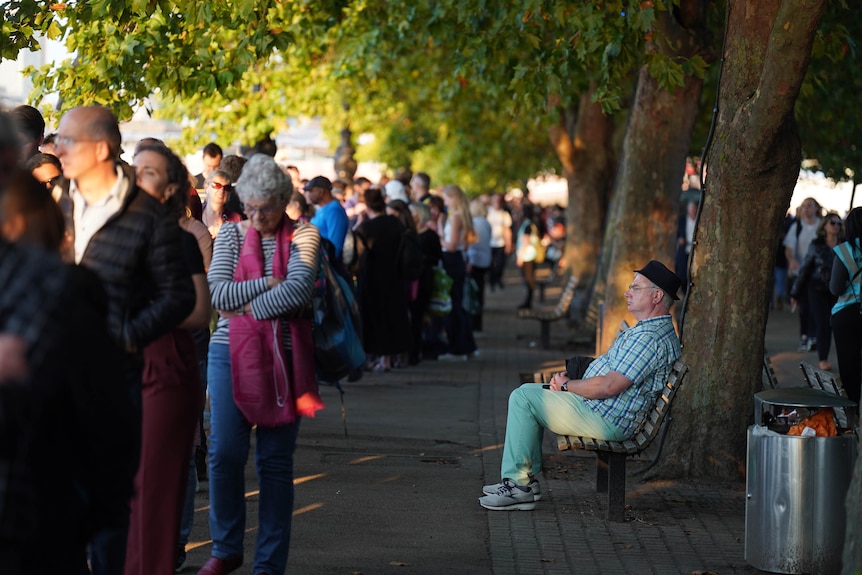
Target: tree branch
x,y
785,63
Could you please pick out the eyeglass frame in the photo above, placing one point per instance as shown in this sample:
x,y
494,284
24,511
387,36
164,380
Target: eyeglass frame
x,y
228,188
635,289
69,141
266,210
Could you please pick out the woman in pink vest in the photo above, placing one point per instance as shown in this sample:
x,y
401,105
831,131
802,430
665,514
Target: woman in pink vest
x,y
261,366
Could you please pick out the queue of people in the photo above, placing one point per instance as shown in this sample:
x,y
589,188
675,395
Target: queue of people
x,y
201,299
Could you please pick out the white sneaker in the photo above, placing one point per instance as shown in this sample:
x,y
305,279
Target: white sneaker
x,y
510,497
534,485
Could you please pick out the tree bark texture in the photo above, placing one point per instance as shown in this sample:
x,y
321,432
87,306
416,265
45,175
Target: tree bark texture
x,y
643,221
583,142
752,167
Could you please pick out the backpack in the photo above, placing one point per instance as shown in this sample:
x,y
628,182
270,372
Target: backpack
x,y
336,325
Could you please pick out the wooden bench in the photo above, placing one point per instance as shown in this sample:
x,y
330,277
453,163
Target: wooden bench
x,y
611,455
559,311
547,280
827,381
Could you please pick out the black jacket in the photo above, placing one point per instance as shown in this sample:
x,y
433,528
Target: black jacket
x,y
815,271
138,257
65,431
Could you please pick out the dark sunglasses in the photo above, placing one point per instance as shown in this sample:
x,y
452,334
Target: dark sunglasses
x,y
836,222
50,184
219,186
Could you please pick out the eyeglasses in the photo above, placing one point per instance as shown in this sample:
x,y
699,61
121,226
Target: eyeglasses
x,y
50,184
636,289
265,211
221,186
68,141
836,222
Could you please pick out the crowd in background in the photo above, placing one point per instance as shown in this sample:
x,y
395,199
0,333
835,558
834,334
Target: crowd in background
x,y
180,287
815,271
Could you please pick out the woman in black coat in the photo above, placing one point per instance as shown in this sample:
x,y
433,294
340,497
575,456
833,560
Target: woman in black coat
x,y
382,301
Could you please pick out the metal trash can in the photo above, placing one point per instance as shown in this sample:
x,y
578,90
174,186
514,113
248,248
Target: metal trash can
x,y
795,486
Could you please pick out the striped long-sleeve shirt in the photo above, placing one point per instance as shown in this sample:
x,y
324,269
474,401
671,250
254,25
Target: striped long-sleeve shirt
x,y
288,299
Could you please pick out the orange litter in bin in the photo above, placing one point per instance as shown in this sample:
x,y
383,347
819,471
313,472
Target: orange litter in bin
x,y
822,422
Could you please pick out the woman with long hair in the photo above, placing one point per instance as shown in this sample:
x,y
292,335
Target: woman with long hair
x,y
814,276
846,283
455,233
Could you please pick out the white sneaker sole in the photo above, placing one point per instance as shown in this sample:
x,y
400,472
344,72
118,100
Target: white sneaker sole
x,y
536,496
514,507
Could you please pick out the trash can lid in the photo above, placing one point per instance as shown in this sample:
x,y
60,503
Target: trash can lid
x,y
803,397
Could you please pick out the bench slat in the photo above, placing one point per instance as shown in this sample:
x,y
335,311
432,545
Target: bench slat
x,y
614,467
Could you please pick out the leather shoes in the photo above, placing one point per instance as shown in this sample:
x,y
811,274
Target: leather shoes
x,y
218,566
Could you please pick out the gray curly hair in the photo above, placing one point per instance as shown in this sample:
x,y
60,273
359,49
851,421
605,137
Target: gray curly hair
x,y
262,180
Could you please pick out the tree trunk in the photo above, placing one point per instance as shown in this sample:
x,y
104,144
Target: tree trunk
x,y
752,165
645,204
583,142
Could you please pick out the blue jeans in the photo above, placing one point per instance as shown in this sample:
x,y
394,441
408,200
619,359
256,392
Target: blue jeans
x,y
228,454
533,409
188,519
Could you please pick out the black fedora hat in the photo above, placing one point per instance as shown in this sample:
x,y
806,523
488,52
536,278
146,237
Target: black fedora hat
x,y
657,273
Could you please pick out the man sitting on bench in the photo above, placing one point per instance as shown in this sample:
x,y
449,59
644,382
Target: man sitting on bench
x,y
611,401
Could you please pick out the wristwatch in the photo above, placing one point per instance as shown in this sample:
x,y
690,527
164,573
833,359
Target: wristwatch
x,y
565,386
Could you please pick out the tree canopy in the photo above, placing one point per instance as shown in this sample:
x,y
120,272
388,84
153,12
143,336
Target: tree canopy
x,y
414,77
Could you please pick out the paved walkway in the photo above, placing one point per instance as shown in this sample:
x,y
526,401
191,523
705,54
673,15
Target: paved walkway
x,y
389,484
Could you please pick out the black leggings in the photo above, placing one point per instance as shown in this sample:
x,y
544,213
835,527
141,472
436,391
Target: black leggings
x,y
820,305
847,327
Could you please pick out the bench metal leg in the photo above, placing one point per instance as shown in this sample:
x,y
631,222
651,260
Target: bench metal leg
x,y
546,335
617,487
611,479
602,471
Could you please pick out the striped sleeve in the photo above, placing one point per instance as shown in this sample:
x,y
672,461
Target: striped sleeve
x,y
226,293
292,296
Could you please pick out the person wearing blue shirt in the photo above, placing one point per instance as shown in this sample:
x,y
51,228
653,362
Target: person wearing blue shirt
x,y
611,402
330,217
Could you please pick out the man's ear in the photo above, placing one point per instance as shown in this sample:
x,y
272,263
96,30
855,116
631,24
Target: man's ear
x,y
103,151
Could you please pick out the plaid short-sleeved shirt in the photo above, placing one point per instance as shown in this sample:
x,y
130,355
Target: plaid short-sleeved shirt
x,y
644,354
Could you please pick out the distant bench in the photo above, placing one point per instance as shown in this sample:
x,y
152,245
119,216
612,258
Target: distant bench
x,y
548,280
559,311
611,455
